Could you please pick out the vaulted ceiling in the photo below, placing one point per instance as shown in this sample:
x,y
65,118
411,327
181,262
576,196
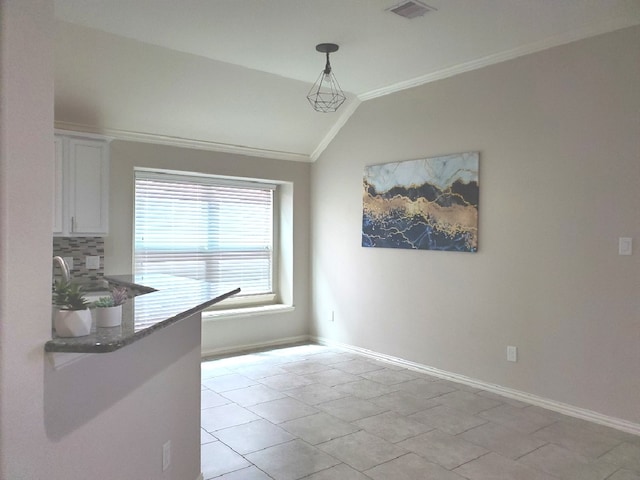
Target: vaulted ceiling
x,y
232,75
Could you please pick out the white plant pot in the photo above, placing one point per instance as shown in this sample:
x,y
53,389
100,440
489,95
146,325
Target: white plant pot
x,y
109,316
72,323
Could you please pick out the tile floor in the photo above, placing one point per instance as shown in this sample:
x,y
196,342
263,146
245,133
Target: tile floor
x,y
320,413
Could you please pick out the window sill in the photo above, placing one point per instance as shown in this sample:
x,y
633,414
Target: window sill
x,y
246,312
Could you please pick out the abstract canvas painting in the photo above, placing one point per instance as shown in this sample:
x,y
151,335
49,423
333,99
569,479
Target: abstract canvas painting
x,y
427,204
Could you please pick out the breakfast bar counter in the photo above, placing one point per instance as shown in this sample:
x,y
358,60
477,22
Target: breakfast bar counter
x,y
169,300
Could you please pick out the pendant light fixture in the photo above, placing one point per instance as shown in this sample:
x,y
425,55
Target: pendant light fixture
x,y
326,94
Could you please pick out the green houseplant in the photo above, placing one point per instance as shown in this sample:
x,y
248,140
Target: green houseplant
x,y
108,309
72,317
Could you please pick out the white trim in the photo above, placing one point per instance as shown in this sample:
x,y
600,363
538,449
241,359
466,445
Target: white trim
x,y
568,37
238,349
564,408
181,142
335,128
245,312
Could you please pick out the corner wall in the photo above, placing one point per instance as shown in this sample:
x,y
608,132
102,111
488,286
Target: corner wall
x,y
103,415
559,140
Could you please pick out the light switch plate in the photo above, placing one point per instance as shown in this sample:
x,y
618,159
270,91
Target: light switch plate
x,y
625,246
512,353
92,262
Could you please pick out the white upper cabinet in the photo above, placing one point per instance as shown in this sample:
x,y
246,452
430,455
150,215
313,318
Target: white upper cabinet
x,y
84,163
57,188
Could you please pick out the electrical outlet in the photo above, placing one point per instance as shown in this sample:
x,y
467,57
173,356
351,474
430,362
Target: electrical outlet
x,y
92,262
625,246
69,262
512,354
166,455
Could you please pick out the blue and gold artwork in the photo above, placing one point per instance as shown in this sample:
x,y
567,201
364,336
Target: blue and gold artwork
x,y
427,204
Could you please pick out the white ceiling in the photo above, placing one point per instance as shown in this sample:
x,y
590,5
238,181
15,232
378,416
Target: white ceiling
x,y
247,43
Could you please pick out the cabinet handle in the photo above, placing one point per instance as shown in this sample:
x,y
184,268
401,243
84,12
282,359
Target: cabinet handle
x,y
73,224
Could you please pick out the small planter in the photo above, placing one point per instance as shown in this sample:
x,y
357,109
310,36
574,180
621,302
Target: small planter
x,y
72,323
109,316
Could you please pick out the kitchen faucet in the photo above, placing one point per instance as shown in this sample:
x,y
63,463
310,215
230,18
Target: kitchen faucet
x,y
64,267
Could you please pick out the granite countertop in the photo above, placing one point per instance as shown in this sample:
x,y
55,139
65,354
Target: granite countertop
x,y
170,300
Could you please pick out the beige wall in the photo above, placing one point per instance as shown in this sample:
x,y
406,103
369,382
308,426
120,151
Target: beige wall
x,y
223,334
559,139
106,415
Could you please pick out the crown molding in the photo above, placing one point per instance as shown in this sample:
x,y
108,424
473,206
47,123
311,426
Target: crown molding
x,y
550,42
127,135
335,128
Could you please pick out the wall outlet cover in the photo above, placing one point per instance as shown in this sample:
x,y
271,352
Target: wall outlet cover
x,y
93,262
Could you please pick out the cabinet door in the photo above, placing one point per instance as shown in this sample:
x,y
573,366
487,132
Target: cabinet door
x,y
88,186
57,187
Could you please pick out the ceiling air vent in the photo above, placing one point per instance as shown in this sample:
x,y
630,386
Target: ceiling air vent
x,y
411,9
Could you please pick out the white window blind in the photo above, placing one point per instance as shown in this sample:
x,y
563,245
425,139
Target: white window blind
x,y
205,228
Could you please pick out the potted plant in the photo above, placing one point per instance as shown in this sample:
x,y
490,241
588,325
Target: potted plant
x,y
109,309
72,317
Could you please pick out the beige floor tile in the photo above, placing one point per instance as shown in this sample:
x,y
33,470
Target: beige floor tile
x,y
339,472
410,467
319,428
256,372
357,366
224,383
392,427
315,394
624,475
350,409
447,419
206,437
468,402
522,419
389,422
626,455
246,397
332,377
425,388
285,381
224,416
209,398
387,376
305,367
495,467
503,440
577,439
361,450
567,465
253,436
283,409
292,460
404,403
366,389
250,473
446,450
218,459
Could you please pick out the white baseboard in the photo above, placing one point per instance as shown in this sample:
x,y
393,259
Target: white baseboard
x,y
564,408
253,346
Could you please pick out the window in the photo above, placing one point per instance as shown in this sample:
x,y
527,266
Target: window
x,y
206,228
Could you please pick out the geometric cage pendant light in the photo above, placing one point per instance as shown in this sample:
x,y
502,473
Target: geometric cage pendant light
x,y
326,94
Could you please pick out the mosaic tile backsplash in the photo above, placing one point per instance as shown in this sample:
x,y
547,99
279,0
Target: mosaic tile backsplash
x,y
79,248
